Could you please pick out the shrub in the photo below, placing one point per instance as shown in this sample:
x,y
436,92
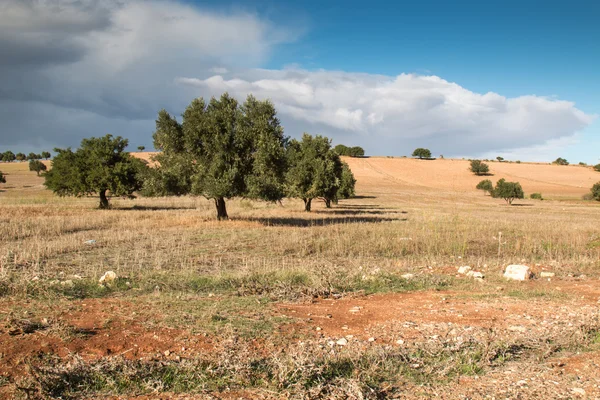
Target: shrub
x,y
2,178
485,185
500,158
596,191
479,168
582,163
536,196
37,166
597,167
509,191
560,161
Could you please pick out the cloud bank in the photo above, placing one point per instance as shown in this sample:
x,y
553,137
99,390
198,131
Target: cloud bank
x,y
80,68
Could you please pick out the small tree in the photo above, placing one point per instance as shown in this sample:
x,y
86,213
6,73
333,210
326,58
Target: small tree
x,y
21,157
595,191
597,167
479,168
421,153
8,156
500,159
46,155
37,166
99,166
485,185
347,183
141,148
32,156
355,151
509,191
560,161
2,178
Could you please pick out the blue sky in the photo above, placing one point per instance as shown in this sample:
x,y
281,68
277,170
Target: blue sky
x,y
385,75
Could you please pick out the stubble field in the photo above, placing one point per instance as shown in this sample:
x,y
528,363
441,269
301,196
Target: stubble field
x,y
362,300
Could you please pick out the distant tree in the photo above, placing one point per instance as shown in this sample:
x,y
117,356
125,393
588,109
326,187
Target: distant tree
x,y
500,159
223,150
21,157
479,168
560,161
141,148
509,191
8,156
485,185
597,167
582,163
100,166
595,191
46,155
355,151
347,183
421,153
32,156
2,178
37,166
536,196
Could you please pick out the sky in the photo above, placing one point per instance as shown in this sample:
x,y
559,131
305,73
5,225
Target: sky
x,y
477,79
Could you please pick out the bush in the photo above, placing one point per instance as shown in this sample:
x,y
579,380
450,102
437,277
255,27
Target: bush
x,y
582,163
37,166
422,153
479,168
587,196
597,167
596,191
355,151
509,191
536,196
2,178
485,185
560,161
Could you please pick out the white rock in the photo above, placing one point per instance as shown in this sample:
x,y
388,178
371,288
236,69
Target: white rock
x,y
90,241
371,339
517,272
470,274
342,342
478,275
399,341
407,276
578,391
545,274
355,309
108,278
464,269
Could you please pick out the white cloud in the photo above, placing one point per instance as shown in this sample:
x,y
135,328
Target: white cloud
x,y
408,107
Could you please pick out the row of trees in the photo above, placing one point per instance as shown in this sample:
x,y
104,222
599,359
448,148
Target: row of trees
x,y
9,156
355,151
220,150
509,191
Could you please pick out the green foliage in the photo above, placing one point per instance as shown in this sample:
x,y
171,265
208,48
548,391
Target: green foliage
x,y
2,178
485,185
536,196
99,166
560,161
597,167
8,156
355,151
37,166
220,150
347,183
33,156
479,168
21,157
582,163
421,153
46,155
500,159
314,170
595,191
141,148
509,191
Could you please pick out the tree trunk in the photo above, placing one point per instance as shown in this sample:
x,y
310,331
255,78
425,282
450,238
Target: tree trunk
x,y
307,204
327,203
103,199
221,209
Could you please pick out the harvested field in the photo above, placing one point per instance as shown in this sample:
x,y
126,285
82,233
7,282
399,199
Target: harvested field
x,y
362,300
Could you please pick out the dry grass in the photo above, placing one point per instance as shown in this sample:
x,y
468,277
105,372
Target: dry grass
x,y
406,218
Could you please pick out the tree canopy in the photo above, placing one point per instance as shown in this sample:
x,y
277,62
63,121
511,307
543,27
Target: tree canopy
x,y
2,178
596,191
37,166
560,161
485,185
220,150
99,166
8,156
421,153
479,168
46,155
21,157
509,191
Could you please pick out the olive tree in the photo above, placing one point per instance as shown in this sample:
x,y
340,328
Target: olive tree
x,y
220,150
509,191
421,153
595,191
100,166
479,168
485,185
37,166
